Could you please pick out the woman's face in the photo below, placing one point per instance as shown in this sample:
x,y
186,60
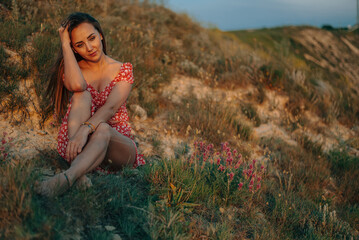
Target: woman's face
x,y
86,41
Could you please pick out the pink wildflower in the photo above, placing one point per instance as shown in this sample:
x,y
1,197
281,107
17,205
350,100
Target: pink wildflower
x,y
251,166
239,156
235,151
254,161
251,182
262,167
5,155
250,187
221,167
218,161
259,179
229,154
240,185
231,175
229,160
258,186
217,153
3,141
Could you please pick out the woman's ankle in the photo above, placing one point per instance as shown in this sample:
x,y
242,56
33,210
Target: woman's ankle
x,y
70,177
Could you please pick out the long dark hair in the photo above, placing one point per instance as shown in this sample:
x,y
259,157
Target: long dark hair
x,y
56,92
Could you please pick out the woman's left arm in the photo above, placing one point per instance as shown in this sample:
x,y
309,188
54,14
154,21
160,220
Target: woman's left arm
x,y
114,101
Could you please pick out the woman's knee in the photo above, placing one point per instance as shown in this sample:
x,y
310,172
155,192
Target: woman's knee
x,y
103,130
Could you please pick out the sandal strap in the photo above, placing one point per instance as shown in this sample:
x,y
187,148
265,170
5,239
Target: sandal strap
x,y
67,179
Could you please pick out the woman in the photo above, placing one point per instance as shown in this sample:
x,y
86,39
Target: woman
x,y
95,133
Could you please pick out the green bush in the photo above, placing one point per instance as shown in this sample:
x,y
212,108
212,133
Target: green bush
x,y
14,34
345,168
12,99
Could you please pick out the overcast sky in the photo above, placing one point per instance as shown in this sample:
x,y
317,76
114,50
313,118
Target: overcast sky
x,y
248,14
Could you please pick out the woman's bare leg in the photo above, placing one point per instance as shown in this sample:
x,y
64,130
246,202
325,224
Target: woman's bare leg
x,y
104,144
80,112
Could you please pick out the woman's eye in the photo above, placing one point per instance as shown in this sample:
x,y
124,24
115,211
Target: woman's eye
x,y
80,45
92,38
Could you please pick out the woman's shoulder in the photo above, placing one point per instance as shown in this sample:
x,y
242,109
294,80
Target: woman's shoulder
x,y
120,66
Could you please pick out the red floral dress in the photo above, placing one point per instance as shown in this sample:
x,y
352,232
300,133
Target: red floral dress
x,y
120,121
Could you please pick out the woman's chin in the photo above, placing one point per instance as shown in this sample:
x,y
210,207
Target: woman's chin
x,y
94,58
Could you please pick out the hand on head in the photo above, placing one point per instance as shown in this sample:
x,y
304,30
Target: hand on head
x,y
64,33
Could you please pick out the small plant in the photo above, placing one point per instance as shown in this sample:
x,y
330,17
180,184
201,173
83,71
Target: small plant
x,y
331,224
271,77
6,144
251,112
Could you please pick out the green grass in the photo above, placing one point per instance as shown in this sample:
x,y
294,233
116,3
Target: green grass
x,y
182,198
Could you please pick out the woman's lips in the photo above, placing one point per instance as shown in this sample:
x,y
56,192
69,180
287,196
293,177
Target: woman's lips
x,y
93,54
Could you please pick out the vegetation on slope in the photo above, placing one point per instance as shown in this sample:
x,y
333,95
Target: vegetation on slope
x,y
301,192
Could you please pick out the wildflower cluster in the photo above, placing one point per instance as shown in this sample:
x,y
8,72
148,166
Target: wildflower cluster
x,y
6,143
229,164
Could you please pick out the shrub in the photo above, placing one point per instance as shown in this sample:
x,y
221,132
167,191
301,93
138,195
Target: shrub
x,y
272,77
251,112
345,168
12,100
14,33
5,147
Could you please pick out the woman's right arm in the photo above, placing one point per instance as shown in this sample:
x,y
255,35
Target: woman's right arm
x,y
73,78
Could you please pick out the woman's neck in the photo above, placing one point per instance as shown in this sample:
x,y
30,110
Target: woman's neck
x,y
96,66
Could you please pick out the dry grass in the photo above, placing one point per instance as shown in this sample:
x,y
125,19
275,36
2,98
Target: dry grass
x,y
15,199
209,119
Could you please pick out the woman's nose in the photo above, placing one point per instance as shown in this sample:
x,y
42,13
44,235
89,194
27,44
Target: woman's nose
x,y
89,47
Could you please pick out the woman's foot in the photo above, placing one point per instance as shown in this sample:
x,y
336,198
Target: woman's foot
x,y
83,182
53,186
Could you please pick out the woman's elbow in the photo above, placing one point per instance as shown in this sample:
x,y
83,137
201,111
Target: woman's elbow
x,y
77,87
81,87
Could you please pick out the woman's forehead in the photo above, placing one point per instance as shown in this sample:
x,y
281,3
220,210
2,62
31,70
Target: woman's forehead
x,y
82,31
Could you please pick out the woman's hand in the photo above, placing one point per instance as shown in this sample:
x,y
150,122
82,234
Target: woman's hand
x,y
77,142
64,34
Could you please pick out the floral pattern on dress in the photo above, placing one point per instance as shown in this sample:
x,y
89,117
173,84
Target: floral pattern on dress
x,y
120,121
